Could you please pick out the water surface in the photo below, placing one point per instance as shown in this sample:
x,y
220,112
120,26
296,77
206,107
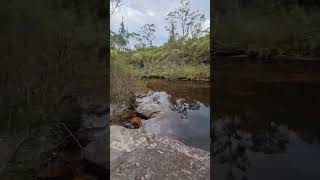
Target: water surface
x,y
266,127
186,111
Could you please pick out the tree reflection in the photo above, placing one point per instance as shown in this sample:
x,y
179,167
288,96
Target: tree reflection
x,y
231,145
182,107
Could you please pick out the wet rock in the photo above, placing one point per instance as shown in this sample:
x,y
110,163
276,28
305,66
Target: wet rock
x,y
149,108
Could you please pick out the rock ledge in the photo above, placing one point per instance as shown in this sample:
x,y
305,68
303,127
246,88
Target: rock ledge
x,y
137,155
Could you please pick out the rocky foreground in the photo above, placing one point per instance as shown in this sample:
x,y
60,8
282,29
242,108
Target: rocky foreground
x,y
137,155
134,154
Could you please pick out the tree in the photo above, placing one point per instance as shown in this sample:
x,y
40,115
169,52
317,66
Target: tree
x,y
172,27
182,14
140,44
190,21
117,41
195,24
116,4
120,40
147,33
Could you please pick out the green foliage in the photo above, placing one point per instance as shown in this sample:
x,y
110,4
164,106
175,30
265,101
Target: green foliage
x,y
147,33
124,79
120,40
180,58
184,59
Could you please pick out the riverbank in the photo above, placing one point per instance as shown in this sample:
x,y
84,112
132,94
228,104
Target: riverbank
x,y
184,72
234,53
266,71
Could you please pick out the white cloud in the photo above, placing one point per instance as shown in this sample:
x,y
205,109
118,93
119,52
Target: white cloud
x,y
150,13
136,13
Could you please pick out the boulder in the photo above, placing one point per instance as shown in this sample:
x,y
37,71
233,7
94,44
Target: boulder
x,y
137,155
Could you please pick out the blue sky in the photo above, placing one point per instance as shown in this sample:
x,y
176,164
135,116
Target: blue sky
x,y
136,13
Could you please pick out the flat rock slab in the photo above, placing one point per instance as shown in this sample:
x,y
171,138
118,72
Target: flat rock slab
x,y
136,155
98,150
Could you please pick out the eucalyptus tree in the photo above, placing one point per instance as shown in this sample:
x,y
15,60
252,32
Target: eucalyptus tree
x,y
116,4
120,40
189,21
194,26
172,27
147,33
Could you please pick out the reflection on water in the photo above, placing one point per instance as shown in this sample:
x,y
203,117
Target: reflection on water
x,y
185,108
266,130
232,146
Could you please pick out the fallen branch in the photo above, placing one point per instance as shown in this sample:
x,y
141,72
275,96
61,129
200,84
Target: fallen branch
x,y
133,105
71,134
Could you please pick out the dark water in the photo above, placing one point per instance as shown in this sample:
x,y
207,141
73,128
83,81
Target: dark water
x,y
266,129
186,111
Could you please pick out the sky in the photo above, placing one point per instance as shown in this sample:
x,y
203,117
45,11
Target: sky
x,y
136,13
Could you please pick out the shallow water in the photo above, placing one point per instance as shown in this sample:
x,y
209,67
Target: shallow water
x,y
185,111
266,129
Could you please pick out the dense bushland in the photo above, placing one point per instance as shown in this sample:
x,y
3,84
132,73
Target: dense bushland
x,y
189,59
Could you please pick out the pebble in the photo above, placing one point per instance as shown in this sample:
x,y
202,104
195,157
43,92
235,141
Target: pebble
x,y
147,176
128,150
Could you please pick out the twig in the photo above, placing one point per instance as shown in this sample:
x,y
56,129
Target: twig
x,y
133,105
70,133
117,5
114,109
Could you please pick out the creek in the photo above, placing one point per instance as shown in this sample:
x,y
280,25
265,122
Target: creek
x,y
185,109
266,122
